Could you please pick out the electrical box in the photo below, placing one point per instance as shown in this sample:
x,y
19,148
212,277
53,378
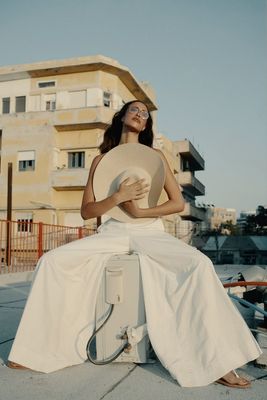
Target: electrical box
x,y
122,286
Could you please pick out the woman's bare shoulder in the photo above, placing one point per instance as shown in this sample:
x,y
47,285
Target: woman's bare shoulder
x,y
96,160
98,157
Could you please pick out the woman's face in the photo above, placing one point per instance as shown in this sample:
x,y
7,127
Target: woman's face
x,y
136,116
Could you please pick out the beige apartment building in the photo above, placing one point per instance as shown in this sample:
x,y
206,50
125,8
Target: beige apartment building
x,y
52,118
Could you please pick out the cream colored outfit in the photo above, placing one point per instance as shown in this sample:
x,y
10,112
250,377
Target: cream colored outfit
x,y
196,332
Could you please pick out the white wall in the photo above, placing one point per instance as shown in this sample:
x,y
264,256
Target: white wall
x,y
19,87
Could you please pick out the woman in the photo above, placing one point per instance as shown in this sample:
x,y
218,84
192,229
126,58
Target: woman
x,y
196,332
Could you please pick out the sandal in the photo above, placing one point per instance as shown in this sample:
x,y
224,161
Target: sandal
x,y
245,385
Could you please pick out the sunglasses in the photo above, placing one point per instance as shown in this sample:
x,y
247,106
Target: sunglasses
x,y
135,110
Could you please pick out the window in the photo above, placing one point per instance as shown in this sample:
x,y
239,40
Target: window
x,y
185,165
26,160
50,105
20,103
107,99
28,165
6,105
24,225
49,102
46,84
76,159
24,221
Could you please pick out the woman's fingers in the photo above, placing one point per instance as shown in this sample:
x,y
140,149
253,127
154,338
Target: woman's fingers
x,y
140,185
141,195
135,190
125,181
144,187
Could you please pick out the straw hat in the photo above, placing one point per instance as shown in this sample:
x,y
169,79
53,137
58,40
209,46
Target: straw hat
x,y
135,161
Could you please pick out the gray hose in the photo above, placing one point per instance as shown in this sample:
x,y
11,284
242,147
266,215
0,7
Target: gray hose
x,y
108,360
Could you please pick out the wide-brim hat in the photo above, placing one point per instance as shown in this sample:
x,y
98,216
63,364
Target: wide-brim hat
x,y
135,161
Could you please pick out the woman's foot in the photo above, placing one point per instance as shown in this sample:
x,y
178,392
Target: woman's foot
x,y
233,380
13,365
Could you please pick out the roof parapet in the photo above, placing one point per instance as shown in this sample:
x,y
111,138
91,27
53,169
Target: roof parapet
x,y
81,64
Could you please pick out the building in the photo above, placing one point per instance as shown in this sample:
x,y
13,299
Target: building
x,y
241,222
53,115
248,250
218,218
184,160
253,222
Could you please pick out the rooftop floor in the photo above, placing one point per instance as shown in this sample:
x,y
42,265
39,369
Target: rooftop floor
x,y
90,382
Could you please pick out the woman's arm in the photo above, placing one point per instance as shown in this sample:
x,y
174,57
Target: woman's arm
x,y
91,208
174,204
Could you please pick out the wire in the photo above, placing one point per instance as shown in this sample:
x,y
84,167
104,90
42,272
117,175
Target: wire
x,y
247,303
108,360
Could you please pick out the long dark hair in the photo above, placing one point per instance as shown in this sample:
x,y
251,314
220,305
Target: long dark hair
x,y
112,135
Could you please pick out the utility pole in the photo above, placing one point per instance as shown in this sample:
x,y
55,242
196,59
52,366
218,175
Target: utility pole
x,y
9,213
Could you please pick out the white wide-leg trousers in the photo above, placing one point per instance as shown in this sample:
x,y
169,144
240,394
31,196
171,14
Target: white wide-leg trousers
x,y
196,332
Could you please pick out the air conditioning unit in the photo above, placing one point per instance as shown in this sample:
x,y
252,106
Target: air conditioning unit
x,y
122,281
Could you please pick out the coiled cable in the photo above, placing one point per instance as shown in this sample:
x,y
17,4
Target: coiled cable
x,y
112,358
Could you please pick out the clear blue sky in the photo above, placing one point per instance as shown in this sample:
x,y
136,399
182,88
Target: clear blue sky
x,y
206,59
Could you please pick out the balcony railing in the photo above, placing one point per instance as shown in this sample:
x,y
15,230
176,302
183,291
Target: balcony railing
x,y
82,118
69,178
23,243
186,179
189,152
192,213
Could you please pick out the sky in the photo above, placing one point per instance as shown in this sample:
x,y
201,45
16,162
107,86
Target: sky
x,y
205,59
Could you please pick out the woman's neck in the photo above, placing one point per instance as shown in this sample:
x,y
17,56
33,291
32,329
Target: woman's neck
x,y
129,137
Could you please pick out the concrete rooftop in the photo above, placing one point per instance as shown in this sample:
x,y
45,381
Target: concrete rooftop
x,y
90,382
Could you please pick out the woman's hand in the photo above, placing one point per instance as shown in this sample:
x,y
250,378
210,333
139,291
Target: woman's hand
x,y
131,207
133,191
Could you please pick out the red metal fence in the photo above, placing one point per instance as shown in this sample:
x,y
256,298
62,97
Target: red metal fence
x,y
22,242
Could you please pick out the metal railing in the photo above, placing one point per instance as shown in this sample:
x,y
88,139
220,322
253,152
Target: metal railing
x,y
22,243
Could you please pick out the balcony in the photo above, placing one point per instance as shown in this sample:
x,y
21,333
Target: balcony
x,y
65,120
192,213
69,178
82,118
188,152
192,184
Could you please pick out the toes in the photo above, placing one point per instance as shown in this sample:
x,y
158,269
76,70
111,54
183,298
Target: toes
x,y
245,381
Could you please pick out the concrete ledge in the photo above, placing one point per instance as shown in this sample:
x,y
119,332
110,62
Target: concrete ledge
x,y
8,279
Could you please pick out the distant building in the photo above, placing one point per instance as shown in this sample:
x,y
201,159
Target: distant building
x,y
253,222
249,250
219,217
241,222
